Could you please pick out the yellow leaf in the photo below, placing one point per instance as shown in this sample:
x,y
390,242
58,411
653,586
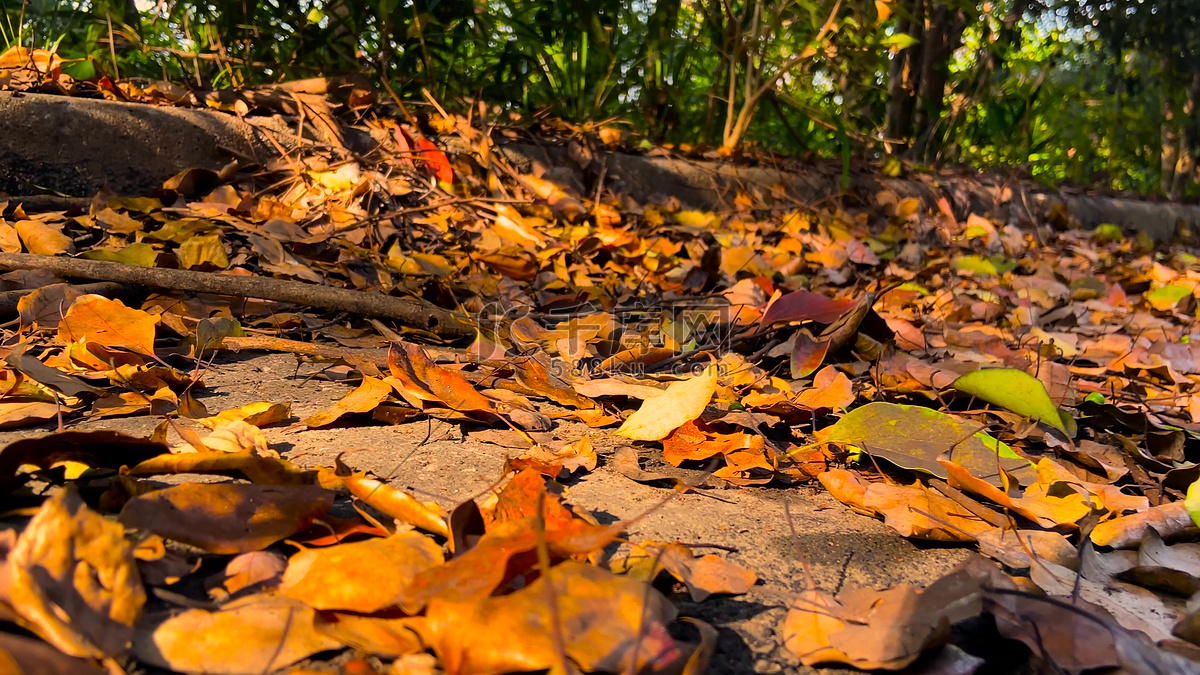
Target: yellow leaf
x,y
10,241
260,414
41,239
681,403
365,398
74,578
203,249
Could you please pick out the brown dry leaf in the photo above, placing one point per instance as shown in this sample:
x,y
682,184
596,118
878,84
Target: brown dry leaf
x,y
680,403
201,251
691,442
424,380
539,371
45,307
42,239
615,387
580,454
365,398
627,463
255,467
75,580
227,517
27,656
95,319
364,576
703,575
99,449
15,414
888,629
1170,519
254,635
395,503
601,617
913,511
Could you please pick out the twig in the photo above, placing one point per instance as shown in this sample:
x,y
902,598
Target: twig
x,y
408,311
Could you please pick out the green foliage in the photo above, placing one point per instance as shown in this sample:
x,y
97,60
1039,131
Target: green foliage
x,y
1097,92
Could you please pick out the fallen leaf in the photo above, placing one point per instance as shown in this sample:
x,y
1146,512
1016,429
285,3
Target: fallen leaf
x,y
703,575
888,629
73,577
912,437
682,402
254,467
474,574
1169,519
364,576
365,398
391,634
256,569
227,517
1013,390
99,449
42,239
202,250
600,617
804,306
26,656
260,414
257,634
395,503
97,320
831,389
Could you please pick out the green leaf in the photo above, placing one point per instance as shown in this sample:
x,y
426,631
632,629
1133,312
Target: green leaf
x,y
912,437
1167,298
1107,232
1014,390
981,266
1095,397
141,254
1192,502
899,41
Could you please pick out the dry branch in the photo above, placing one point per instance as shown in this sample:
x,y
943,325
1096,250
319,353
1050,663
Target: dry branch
x,y
408,311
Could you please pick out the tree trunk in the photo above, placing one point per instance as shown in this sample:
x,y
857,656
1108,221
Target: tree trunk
x,y
1185,164
658,34
1169,139
903,77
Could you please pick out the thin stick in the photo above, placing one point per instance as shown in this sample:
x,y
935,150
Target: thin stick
x,y
408,311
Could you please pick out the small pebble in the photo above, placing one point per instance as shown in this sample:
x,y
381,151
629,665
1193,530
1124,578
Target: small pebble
x,y
765,667
765,646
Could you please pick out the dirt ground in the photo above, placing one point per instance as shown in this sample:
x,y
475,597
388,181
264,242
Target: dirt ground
x,y
444,462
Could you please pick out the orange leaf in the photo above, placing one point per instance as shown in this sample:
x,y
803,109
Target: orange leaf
x,y
395,503
435,159
256,634
364,576
475,574
109,323
601,617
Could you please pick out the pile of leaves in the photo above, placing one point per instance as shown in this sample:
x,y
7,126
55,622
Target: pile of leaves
x,y
1027,390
